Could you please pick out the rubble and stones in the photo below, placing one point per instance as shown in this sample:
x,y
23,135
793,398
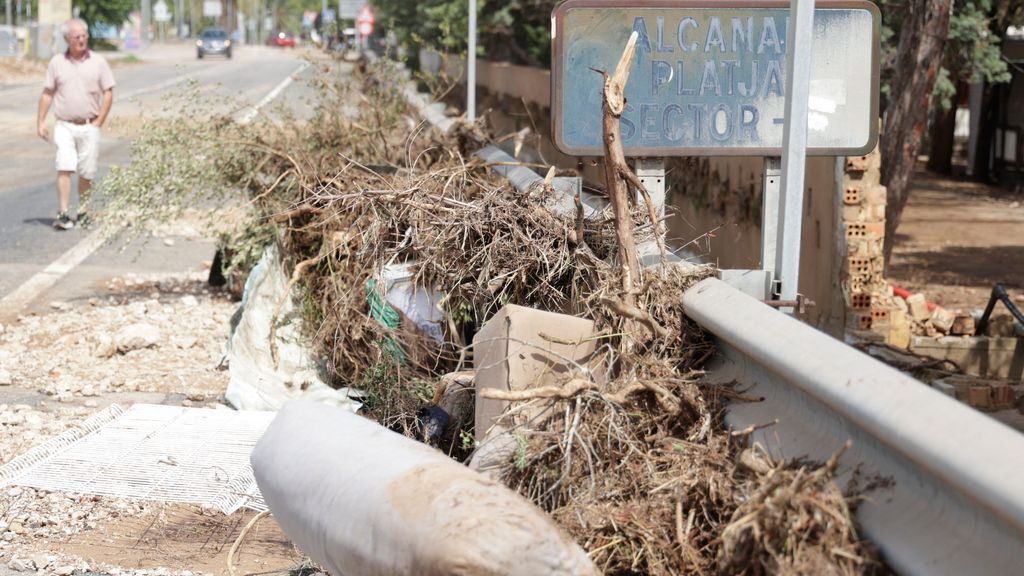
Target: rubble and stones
x,y
59,368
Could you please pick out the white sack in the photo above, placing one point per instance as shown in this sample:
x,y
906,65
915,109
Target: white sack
x,y
362,500
254,382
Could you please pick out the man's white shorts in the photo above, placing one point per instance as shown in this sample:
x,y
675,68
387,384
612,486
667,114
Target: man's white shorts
x,y
78,148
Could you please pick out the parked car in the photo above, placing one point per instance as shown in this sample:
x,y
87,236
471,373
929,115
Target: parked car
x,y
213,41
281,39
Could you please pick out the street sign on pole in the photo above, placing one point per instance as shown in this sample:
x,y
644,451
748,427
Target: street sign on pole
x,y
710,78
349,9
212,9
365,21
160,12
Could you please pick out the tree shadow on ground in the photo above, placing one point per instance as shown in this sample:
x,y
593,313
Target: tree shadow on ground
x,y
963,266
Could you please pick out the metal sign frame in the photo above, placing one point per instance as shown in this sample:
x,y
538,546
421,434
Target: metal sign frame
x,y
558,52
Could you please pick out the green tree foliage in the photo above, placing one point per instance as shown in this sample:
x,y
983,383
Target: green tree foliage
x,y
110,12
972,50
511,30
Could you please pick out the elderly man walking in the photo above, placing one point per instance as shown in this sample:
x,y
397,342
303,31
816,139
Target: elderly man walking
x,y
80,86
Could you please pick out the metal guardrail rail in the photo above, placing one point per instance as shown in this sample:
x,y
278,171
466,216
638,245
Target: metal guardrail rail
x,y
950,495
955,504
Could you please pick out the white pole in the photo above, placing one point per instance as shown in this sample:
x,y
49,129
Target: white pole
x,y
471,65
794,145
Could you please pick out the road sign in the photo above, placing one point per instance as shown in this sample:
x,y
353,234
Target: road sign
x,y
349,9
366,14
365,21
709,80
212,8
160,12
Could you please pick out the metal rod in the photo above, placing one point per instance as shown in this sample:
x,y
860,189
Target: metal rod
x,y
794,146
146,16
471,65
998,295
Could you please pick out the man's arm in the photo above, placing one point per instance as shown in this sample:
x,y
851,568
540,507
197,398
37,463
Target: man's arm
x,y
44,106
108,100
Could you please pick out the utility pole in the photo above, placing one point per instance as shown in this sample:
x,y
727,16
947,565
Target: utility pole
x,y
179,18
146,13
10,17
471,65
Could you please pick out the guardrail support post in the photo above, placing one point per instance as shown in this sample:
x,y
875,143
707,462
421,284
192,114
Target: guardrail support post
x,y
651,172
770,188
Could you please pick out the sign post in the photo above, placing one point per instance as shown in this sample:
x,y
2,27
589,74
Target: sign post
x,y
744,78
794,151
471,65
364,24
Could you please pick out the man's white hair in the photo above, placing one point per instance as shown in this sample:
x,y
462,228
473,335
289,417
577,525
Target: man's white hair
x,y
66,27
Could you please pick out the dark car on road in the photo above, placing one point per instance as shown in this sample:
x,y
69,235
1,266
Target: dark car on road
x,y
213,41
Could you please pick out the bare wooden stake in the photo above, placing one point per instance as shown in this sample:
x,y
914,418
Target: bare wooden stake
x,y
615,165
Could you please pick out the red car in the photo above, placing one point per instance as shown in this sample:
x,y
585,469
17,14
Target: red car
x,y
282,39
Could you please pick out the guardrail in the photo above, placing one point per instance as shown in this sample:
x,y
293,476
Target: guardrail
x,y
955,504
949,495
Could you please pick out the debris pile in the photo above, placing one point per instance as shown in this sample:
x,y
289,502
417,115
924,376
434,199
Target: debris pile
x,y
401,247
636,464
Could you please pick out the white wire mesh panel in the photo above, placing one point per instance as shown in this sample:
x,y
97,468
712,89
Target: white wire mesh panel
x,y
151,452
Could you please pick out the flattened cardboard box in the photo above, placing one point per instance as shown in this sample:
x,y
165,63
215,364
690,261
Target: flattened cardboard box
x,y
521,348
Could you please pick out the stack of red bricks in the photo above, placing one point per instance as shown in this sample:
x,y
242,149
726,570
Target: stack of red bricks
x,y
871,312
877,311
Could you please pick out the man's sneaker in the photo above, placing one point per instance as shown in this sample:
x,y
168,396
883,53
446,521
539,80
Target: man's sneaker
x,y
83,220
63,222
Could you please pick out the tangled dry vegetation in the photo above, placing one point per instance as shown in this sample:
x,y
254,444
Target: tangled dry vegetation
x,y
640,467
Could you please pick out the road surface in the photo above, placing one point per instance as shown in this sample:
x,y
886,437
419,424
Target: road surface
x,y
28,243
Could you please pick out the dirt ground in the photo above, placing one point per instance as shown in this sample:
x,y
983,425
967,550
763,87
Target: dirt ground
x,y
958,239
57,367
18,71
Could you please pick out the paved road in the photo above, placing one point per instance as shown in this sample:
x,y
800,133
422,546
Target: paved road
x,y
28,243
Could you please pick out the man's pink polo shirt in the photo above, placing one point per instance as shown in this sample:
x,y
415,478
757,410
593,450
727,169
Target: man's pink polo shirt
x,y
78,85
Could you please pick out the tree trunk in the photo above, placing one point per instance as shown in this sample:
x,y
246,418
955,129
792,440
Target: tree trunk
x,y
986,133
940,156
920,51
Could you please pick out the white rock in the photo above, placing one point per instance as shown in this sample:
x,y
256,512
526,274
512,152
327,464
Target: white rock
x,y
41,561
89,390
183,341
91,404
137,336
168,242
21,565
64,570
5,378
104,347
186,300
